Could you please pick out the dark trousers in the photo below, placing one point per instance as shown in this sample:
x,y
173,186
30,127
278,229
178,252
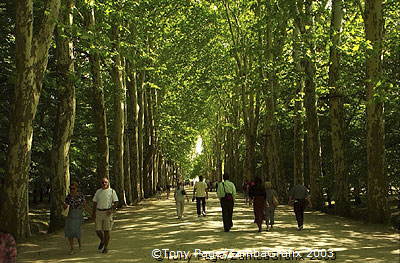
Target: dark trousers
x,y
201,200
299,206
227,212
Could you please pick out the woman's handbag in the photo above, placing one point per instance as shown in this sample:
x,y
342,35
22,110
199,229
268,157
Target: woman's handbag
x,y
65,211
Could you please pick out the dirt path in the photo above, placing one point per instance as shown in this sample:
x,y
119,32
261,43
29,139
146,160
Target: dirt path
x,y
153,225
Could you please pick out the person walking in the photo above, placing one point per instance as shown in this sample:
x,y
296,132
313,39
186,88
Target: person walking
x,y
226,193
76,202
298,197
258,195
270,205
168,189
104,204
179,196
200,193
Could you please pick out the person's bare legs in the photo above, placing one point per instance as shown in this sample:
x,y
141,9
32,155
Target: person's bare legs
x,y
79,243
106,240
101,237
71,245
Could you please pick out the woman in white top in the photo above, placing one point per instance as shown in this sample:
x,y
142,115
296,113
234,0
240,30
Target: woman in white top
x,y
179,196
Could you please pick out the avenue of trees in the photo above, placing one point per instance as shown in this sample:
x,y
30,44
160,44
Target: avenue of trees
x,y
293,91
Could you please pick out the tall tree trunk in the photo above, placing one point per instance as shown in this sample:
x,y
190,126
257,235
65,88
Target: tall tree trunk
x,y
140,130
298,131
119,101
31,62
342,205
304,22
147,180
313,139
99,111
133,130
378,210
65,119
127,167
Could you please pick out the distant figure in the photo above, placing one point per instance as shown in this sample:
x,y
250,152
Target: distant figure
x,y
76,202
269,205
168,189
8,248
250,184
158,192
179,196
298,196
258,195
200,193
246,188
226,192
104,204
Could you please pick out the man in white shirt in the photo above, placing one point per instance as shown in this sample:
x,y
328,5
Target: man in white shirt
x,y
104,204
226,193
200,192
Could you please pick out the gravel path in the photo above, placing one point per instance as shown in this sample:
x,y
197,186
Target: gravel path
x,y
152,225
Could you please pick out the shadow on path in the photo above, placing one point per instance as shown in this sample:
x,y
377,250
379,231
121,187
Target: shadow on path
x,y
153,225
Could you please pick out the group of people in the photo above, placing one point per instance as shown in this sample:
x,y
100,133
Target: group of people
x,y
263,197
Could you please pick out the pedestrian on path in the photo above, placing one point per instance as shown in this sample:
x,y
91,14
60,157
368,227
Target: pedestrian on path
x,y
226,193
104,204
270,207
77,203
258,195
299,197
168,188
179,196
200,193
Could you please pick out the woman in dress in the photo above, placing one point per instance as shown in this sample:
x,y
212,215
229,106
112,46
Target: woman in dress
x,y
257,193
76,202
270,207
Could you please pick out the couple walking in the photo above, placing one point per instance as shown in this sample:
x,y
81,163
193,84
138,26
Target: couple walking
x,y
264,203
104,205
200,194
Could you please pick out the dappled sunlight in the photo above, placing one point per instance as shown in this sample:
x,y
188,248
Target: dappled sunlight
x,y
154,225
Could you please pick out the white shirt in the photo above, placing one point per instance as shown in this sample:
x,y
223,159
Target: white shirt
x,y
105,198
200,188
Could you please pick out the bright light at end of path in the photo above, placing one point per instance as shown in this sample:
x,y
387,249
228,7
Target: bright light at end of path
x,y
199,145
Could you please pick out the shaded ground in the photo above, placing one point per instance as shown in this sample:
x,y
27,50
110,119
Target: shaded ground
x,y
153,225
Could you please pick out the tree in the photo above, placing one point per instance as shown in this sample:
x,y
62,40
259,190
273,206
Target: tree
x,y
377,179
31,62
98,104
64,126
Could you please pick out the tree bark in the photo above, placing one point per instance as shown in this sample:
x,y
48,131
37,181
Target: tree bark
x,y
342,204
127,167
133,133
304,22
99,111
60,177
298,132
119,102
142,76
147,175
31,62
378,209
